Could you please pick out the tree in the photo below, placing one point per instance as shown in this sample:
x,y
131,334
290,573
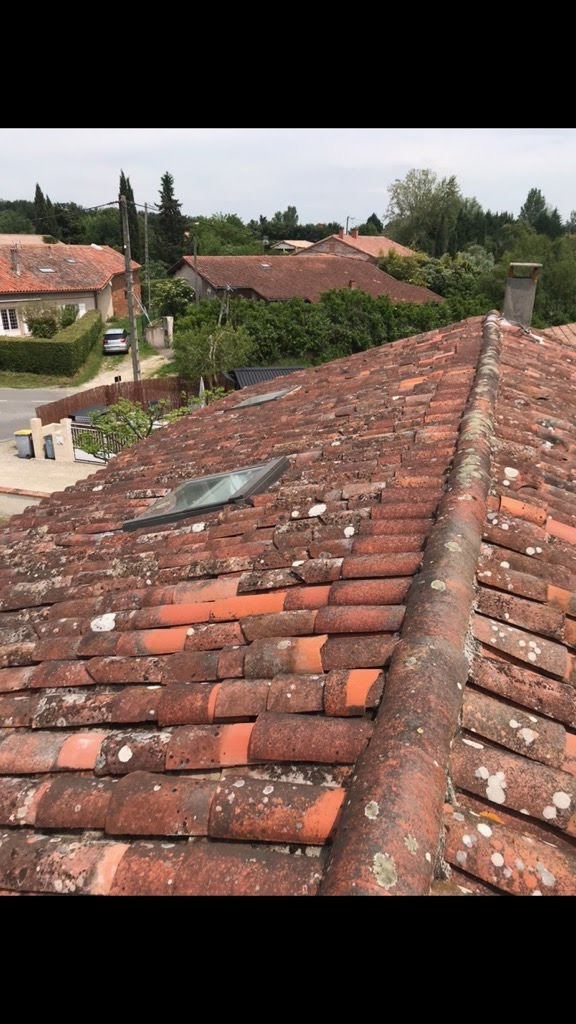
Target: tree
x,y
172,298
44,318
538,213
133,219
211,351
171,224
373,226
69,222
424,210
40,212
102,227
45,222
14,223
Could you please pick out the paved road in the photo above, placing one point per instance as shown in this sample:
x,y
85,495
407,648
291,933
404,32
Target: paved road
x,y
17,407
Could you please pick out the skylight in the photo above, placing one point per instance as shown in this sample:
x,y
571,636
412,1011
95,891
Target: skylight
x,y
266,266
272,396
210,494
71,261
47,270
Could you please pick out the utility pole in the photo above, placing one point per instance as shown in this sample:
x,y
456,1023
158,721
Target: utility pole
x,y
130,288
197,289
147,255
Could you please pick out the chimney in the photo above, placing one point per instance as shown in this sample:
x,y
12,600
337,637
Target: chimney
x,y
355,233
341,233
15,259
353,286
521,292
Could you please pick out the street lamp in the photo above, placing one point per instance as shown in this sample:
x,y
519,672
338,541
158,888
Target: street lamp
x,y
348,223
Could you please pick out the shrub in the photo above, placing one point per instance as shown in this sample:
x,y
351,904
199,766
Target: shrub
x,y
45,320
210,351
61,356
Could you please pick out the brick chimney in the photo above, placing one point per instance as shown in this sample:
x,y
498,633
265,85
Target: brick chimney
x,y
353,286
15,260
521,292
355,233
341,233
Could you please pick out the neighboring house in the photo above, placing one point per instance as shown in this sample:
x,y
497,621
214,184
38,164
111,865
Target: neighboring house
x,y
279,279
360,247
290,247
23,240
359,683
87,276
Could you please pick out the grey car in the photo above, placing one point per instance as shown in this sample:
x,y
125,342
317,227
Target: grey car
x,y
117,342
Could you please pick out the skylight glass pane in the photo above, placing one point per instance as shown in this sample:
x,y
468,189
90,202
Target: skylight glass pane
x,y
211,493
273,396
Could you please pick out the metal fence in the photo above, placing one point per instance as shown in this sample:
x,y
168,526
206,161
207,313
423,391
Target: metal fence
x,y
107,446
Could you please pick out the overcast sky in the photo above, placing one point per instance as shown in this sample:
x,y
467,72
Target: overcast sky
x,y
328,173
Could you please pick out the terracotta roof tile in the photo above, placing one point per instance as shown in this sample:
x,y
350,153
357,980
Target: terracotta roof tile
x,y
74,268
306,277
313,650
373,245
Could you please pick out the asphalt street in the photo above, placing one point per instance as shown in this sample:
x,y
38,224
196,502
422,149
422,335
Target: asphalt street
x,y
17,407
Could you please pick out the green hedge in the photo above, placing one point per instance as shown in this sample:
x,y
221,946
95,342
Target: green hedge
x,y
60,356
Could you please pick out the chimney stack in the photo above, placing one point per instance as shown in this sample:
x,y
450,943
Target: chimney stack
x,y
15,258
355,233
341,233
353,286
521,292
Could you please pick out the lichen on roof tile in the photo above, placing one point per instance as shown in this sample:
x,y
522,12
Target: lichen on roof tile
x,y
282,682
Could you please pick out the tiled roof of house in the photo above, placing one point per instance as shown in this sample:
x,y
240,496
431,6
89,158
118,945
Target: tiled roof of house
x,y
71,268
373,245
362,684
280,278
294,243
22,240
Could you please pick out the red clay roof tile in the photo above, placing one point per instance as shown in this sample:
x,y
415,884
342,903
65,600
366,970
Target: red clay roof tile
x,y
75,268
306,277
317,644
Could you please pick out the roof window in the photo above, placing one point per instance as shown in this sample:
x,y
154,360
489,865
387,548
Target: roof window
x,y
47,270
210,494
272,396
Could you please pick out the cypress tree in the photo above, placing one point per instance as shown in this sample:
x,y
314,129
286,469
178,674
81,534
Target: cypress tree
x,y
52,229
171,224
133,219
40,212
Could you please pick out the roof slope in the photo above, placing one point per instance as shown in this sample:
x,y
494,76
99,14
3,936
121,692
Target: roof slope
x,y
74,268
307,277
219,681
373,245
295,243
365,684
22,240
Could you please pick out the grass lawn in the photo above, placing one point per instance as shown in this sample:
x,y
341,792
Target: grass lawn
x,y
92,367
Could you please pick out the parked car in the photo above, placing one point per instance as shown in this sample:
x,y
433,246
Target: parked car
x,y
117,342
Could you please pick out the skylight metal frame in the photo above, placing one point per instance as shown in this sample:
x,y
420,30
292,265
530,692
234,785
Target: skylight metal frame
x,y
267,399
263,476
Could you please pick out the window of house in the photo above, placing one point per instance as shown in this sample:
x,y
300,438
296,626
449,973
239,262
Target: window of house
x,y
210,494
10,320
